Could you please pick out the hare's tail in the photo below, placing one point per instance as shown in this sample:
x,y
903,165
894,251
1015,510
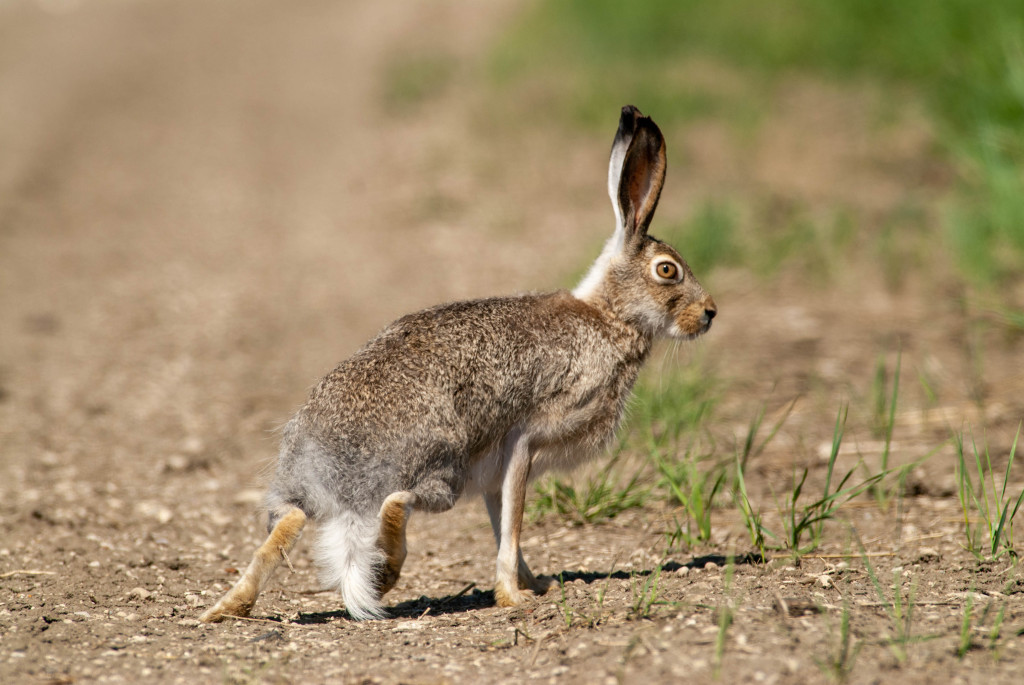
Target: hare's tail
x,y
351,561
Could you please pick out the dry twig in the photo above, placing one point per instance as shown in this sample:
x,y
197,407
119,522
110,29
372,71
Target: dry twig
x,y
11,574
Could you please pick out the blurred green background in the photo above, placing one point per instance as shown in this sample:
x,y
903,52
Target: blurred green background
x,y
963,61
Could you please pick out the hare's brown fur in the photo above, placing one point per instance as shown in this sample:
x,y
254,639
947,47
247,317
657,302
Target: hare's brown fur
x,y
478,396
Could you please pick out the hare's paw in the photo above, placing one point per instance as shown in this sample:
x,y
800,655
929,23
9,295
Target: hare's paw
x,y
228,606
388,577
537,585
504,596
527,581
212,615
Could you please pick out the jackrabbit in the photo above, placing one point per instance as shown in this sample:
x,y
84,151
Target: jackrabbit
x,y
476,396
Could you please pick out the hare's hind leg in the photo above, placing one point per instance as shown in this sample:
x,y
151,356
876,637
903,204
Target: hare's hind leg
x,y
432,495
394,514
240,599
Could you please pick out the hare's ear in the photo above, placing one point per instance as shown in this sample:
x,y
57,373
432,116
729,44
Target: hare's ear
x,y
642,177
627,124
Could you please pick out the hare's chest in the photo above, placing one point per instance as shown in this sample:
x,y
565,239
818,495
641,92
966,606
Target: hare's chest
x,y
592,413
581,426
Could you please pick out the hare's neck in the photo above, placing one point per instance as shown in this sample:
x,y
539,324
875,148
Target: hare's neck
x,y
635,341
636,344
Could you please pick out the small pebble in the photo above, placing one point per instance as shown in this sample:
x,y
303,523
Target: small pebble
x,y
176,462
410,625
140,593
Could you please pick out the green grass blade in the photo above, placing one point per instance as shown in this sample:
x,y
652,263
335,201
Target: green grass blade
x,y
837,441
983,504
748,447
998,534
1009,463
748,443
891,423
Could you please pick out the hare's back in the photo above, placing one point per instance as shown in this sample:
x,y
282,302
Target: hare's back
x,y
458,373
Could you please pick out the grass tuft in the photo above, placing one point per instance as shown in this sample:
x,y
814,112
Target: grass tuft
x,y
645,594
842,655
800,520
695,489
600,497
992,536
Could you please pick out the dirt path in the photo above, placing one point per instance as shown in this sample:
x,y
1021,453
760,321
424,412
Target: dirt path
x,y
181,176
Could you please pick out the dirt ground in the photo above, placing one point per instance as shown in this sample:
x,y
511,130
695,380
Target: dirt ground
x,y
204,206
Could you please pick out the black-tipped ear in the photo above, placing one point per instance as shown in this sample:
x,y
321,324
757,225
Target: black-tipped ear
x,y
643,175
627,125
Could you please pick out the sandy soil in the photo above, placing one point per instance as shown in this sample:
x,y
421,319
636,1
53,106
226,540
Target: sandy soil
x,y
204,206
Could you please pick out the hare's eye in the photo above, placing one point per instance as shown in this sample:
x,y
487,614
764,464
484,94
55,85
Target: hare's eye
x,y
667,270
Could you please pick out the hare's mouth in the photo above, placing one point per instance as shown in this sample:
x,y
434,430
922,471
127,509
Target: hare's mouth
x,y
690,324
689,331
695,320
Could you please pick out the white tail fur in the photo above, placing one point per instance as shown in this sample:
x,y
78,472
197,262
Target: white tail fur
x,y
349,560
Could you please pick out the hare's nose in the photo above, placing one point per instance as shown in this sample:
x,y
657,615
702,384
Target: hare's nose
x,y
710,310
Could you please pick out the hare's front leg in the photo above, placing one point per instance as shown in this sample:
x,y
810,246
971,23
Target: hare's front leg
x,y
527,581
515,583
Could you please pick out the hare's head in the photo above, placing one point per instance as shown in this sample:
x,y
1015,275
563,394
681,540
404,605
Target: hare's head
x,y
639,278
